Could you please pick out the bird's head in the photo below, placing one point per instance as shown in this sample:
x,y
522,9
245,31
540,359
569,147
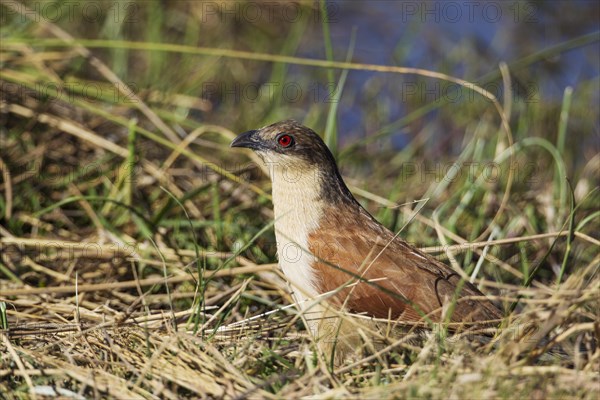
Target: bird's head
x,y
287,143
290,149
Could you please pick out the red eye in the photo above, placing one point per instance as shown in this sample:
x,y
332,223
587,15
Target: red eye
x,y
285,140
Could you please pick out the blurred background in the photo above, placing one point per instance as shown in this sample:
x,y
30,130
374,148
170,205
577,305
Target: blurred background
x,y
548,46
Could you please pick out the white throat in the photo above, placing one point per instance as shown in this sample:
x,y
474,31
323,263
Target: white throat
x,y
297,210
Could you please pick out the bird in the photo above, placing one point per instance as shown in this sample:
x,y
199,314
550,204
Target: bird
x,y
337,256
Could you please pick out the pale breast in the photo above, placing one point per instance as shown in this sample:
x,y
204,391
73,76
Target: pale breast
x,y
297,213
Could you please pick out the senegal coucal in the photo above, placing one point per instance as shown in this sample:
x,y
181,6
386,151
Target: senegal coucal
x,y
330,248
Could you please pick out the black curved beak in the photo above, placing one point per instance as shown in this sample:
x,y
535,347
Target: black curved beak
x,y
248,140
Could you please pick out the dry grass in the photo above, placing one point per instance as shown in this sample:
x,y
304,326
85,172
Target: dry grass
x,y
137,264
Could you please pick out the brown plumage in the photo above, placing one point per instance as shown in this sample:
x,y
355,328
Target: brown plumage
x,y
341,250
406,283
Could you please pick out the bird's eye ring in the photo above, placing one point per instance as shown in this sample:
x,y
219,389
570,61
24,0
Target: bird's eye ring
x,y
285,140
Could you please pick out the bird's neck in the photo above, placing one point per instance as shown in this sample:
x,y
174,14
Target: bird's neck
x,y
301,199
300,196
297,201
298,208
